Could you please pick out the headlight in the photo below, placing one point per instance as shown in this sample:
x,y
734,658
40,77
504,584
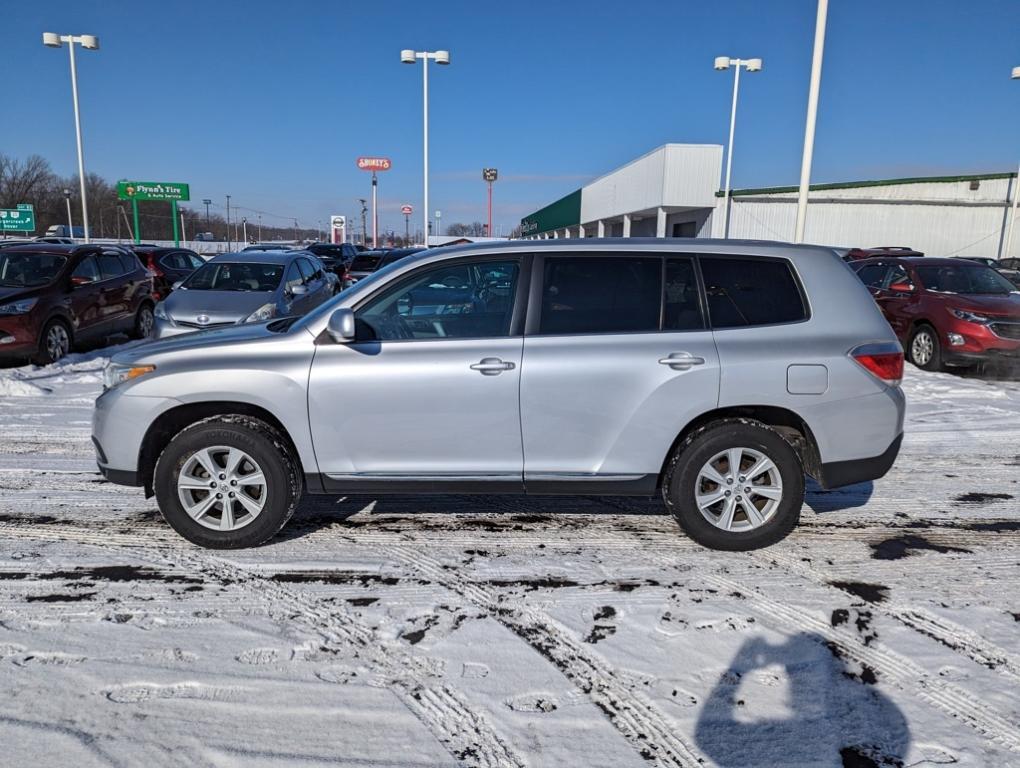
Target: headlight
x,y
115,373
970,317
19,307
160,312
265,312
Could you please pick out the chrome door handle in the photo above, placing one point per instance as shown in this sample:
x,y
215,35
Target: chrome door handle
x,y
681,361
492,366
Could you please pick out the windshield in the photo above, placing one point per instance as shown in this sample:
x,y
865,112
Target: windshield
x,y
235,276
972,279
29,269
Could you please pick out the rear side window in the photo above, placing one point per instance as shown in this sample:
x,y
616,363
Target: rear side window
x,y
601,295
872,275
110,265
87,270
745,292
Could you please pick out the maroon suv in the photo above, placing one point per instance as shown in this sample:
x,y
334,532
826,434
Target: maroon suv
x,y
946,311
53,296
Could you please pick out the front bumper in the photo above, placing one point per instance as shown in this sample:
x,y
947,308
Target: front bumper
x,y
19,335
164,329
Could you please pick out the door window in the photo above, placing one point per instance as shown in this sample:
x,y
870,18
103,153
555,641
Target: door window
x,y
110,265
194,261
307,270
872,275
452,300
294,277
601,295
87,270
897,275
682,309
743,292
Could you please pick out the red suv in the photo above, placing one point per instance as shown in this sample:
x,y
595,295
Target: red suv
x,y
900,251
946,311
52,296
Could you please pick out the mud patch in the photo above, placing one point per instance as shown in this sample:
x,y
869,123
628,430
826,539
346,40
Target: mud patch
x,y
871,593
898,547
57,598
978,497
334,577
361,602
868,756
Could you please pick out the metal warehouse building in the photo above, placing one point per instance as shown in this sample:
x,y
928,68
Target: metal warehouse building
x,y
673,192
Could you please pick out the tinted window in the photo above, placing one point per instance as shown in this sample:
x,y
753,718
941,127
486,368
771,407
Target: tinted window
x,y
294,277
131,262
365,262
751,292
682,311
974,280
87,269
307,270
110,265
448,301
897,274
872,275
194,261
601,295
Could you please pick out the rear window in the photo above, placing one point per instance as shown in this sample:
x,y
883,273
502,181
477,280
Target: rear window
x,y
601,295
746,292
364,262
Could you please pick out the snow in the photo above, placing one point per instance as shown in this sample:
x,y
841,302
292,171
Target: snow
x,y
418,631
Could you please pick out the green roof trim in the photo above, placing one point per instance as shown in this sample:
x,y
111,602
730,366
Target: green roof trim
x,y
565,212
874,183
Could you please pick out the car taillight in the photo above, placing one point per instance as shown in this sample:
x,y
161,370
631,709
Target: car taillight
x,y
154,267
883,361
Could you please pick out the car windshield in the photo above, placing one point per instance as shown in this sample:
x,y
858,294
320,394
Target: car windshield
x,y
235,276
26,269
968,279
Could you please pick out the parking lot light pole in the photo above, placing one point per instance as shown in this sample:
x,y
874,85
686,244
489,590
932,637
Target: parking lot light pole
x,y
723,63
70,223
207,202
409,56
228,223
1016,193
809,125
91,43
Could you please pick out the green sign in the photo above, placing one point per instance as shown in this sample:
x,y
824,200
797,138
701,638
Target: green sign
x,y
565,212
152,190
20,219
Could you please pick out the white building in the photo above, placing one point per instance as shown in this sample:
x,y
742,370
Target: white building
x,y
673,192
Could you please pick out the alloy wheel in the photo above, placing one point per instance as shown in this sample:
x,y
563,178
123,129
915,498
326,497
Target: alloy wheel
x,y
58,343
222,488
922,347
738,489
145,322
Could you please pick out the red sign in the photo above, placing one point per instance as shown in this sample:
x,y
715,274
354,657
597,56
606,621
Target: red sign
x,y
374,163
406,210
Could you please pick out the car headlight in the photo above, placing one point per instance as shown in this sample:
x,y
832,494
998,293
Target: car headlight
x,y
265,312
970,317
160,312
116,373
19,307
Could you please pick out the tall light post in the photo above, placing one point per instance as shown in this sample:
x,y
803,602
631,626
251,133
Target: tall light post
x,y
409,56
91,43
244,228
723,63
809,125
1016,192
439,231
228,223
67,202
207,203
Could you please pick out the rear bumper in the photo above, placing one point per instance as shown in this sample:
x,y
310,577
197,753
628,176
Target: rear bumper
x,y
839,473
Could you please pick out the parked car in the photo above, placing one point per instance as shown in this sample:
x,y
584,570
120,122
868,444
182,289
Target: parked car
x,y
855,254
713,373
9,241
54,240
267,247
1009,269
168,266
247,287
367,262
204,237
337,257
947,312
54,296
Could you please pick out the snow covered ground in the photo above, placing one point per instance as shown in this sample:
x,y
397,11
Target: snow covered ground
x,y
513,632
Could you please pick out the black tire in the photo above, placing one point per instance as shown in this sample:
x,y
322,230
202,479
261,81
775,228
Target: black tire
x,y
144,322
934,361
49,352
680,484
264,444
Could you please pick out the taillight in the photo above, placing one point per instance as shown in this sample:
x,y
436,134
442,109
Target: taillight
x,y
883,361
154,267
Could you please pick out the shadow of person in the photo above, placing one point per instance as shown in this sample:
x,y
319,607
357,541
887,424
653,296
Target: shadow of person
x,y
847,497
797,704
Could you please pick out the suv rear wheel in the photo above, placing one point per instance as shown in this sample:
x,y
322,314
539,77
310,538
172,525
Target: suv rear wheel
x,y
735,485
227,482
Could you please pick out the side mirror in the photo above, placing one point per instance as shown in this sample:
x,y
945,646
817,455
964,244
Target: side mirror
x,y
341,325
298,290
177,285
902,287
79,280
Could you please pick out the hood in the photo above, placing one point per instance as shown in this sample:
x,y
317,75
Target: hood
x,y
998,306
11,294
200,340
217,307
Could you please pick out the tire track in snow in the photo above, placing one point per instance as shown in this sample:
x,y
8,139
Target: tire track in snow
x,y
634,716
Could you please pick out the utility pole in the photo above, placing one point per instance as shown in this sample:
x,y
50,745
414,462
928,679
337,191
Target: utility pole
x,y
70,224
244,225
375,212
809,125
364,221
228,223
295,231
260,227
207,202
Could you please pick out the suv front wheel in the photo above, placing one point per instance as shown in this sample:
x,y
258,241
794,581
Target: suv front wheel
x,y
227,482
735,485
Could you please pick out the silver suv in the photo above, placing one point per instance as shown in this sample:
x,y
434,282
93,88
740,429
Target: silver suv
x,y
714,373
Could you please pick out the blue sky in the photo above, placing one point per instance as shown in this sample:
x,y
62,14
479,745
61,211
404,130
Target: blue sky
x,y
272,102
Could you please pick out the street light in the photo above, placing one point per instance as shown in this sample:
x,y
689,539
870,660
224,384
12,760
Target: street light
x,y
409,56
207,203
809,123
70,224
723,63
1016,192
89,42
